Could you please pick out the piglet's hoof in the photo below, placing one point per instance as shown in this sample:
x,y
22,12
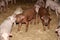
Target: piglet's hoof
x,y
10,35
56,32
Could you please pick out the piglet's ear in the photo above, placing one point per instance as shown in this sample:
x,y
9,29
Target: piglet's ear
x,y
42,18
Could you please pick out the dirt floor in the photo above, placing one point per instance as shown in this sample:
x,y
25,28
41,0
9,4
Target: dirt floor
x,y
35,32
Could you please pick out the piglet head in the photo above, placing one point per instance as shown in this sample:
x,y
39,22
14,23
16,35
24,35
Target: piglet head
x,y
12,18
57,31
45,20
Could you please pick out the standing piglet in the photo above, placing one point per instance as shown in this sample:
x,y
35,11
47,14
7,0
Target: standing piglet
x,y
26,17
5,28
44,16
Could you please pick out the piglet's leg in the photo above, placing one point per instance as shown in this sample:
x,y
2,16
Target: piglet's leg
x,y
38,19
19,26
48,26
44,28
27,23
35,19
